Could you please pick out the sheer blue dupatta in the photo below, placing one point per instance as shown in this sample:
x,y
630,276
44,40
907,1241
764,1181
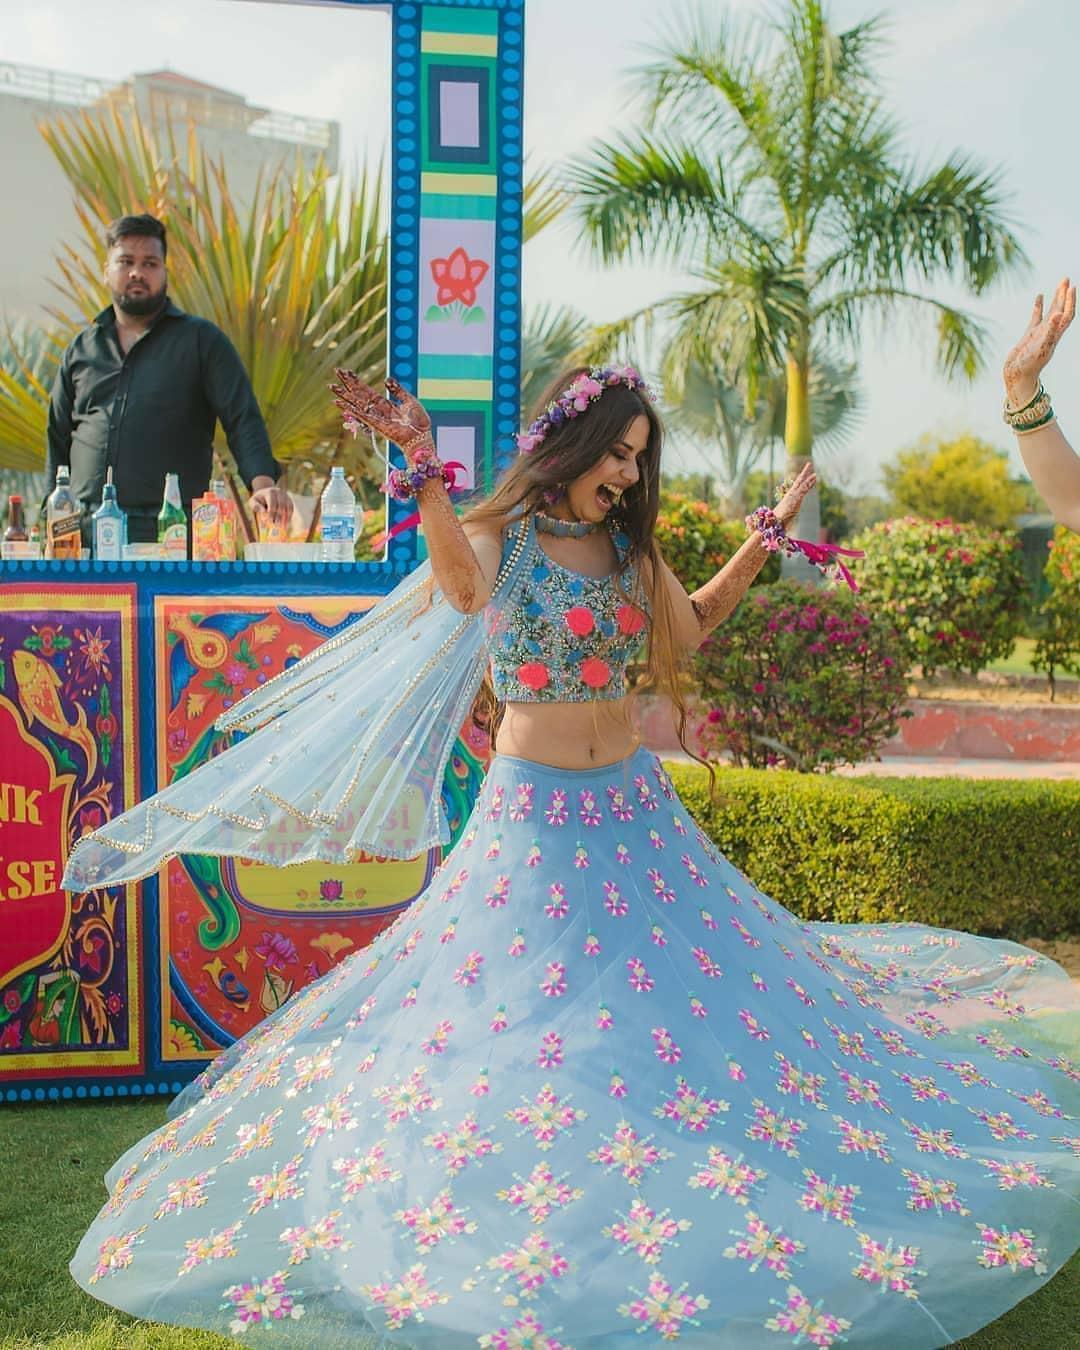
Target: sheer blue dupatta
x,y
343,754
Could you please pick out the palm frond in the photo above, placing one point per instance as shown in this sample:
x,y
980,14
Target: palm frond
x,y
543,202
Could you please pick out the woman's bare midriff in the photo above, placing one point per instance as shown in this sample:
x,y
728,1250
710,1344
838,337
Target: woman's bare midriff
x,y
567,735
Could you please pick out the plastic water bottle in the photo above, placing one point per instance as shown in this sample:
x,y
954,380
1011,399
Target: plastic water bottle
x,y
338,518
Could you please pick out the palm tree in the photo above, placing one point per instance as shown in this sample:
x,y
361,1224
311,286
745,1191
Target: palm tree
x,y
711,411
771,170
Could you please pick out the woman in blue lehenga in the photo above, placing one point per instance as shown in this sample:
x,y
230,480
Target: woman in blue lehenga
x,y
593,1089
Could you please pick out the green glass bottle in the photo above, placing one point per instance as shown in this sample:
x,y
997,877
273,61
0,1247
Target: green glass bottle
x,y
172,521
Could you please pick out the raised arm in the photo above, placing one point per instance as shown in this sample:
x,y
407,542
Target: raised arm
x,y
1050,459
698,614
465,566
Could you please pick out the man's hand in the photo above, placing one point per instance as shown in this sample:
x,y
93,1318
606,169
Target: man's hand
x,y
267,496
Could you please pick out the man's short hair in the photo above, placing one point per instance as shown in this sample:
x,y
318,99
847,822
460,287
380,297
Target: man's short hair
x,y
147,226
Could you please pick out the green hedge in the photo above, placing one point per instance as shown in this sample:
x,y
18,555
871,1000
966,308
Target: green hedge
x,y
996,857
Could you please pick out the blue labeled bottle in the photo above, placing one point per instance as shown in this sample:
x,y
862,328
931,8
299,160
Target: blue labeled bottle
x,y
110,525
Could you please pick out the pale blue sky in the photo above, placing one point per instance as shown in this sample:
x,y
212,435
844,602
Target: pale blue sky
x,y
992,77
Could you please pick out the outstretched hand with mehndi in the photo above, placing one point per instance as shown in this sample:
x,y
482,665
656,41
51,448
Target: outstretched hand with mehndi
x,y
787,508
1032,353
398,416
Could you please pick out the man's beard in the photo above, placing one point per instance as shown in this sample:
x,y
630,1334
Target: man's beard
x,y
140,305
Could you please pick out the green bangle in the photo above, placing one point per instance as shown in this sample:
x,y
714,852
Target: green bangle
x,y
1036,426
1015,412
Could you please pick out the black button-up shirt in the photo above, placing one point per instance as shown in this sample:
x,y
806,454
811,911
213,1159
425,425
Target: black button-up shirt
x,y
153,411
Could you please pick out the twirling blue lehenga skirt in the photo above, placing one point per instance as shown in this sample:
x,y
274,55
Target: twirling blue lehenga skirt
x,y
595,1090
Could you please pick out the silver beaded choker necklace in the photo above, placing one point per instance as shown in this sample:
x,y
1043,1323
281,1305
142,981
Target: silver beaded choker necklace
x,y
565,529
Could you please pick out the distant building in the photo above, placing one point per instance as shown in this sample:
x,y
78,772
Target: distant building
x,y
40,214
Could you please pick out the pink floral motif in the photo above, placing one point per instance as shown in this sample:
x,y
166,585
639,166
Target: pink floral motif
x,y
999,1047
850,1043
925,1088
460,878
664,1309
604,1018
531,1265
724,1175
522,804
762,1245
499,1019
646,1233
758,982
757,1030
534,857
254,1135
517,944
581,858
894,1043
260,1304
775,1128
406,1098
456,278
184,1193
551,1051
271,1188
744,932
645,795
803,1320
666,1049
545,1117
494,807
697,1008
831,1199
527,1333
557,813
409,945
937,1193
494,849
1039,1102
709,967
890,1267
540,1193
312,1069
657,936
795,1081
863,1091
213,1247
614,903
1000,1001
409,1297
622,854
322,1236
116,1253
588,811
639,978
855,1138
557,907
361,1015
468,972
1001,1125
631,1154
554,984
591,945
694,1111
1015,1249
1011,1175
432,1224
620,807
708,920
436,1043
462,1144
499,893
661,889
799,992
934,1141
926,1023
967,1072
617,1087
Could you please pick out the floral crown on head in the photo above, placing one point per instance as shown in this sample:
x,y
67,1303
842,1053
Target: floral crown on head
x,y
576,399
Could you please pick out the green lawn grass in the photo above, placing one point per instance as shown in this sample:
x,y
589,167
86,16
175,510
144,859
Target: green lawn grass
x,y
1019,660
52,1159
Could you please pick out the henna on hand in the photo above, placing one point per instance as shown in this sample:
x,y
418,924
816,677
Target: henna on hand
x,y
1033,352
401,418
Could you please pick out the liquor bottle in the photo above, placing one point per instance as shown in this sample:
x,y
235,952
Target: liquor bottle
x,y
110,524
172,521
338,518
63,519
16,532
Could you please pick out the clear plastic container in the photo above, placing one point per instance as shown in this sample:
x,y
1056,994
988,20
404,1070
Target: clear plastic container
x,y
338,519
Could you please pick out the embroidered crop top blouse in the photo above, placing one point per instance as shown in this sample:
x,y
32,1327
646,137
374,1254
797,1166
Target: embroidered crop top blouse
x,y
562,636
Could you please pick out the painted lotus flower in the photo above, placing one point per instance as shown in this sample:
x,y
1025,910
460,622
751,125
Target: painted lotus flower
x,y
457,277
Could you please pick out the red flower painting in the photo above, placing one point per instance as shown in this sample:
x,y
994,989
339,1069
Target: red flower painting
x,y
457,277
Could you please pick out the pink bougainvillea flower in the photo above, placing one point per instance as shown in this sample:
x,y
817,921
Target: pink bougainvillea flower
x,y
580,620
595,673
533,675
457,277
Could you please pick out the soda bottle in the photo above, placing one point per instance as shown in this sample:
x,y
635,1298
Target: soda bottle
x,y
172,520
109,524
63,519
338,518
16,532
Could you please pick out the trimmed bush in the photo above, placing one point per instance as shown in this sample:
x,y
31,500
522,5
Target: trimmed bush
x,y
696,540
999,858
955,592
1058,647
803,678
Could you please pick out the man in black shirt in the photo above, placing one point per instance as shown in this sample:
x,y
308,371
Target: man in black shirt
x,y
141,390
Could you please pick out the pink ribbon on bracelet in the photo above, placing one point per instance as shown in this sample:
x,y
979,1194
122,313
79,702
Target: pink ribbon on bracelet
x,y
411,521
821,555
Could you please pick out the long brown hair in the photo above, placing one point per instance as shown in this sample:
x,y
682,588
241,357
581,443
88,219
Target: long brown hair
x,y
567,452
